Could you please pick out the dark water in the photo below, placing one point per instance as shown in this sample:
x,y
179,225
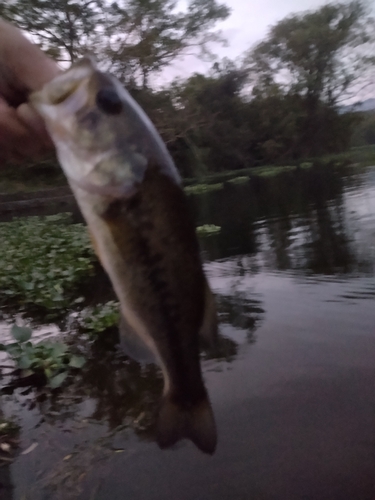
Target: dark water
x,y
293,391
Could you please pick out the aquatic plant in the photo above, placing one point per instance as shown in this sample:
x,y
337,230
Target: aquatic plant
x,y
306,165
8,427
272,171
9,433
239,180
100,318
43,259
208,229
203,188
52,361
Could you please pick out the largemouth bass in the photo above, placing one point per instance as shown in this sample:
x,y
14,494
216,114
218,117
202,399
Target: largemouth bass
x,y
130,194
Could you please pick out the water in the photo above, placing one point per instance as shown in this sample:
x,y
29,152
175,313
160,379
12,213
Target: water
x,y
293,390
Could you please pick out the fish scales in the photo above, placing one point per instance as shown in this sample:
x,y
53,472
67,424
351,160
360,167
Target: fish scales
x,y
129,192
147,227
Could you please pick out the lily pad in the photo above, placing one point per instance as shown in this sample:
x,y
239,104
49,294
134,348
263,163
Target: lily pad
x,y
21,333
57,380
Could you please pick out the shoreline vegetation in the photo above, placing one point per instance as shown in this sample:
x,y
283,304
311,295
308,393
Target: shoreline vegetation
x,y
48,269
274,109
47,175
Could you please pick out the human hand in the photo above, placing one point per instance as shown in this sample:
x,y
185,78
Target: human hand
x,y
24,68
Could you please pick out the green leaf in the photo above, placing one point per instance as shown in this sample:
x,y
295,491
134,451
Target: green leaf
x,y
77,362
21,333
57,380
24,362
58,349
13,350
3,347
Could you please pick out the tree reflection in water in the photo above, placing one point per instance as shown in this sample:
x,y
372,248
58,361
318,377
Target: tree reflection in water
x,y
295,223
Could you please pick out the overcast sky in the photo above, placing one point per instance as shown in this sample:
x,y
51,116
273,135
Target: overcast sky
x,y
247,24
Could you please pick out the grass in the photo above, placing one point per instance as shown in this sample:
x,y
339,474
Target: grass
x,y
363,155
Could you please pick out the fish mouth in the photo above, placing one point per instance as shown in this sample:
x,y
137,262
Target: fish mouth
x,y
66,90
59,95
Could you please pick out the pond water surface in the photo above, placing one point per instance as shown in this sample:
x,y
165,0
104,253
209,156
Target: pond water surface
x,y
293,389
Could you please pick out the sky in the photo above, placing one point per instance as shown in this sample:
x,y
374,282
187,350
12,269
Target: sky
x,y
247,24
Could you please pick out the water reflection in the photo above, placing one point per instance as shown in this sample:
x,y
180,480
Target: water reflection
x,y
124,393
289,247
240,312
296,221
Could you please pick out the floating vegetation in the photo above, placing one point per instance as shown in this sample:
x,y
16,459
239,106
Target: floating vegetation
x,y
8,428
272,171
51,362
305,165
9,433
203,188
43,259
239,180
208,230
100,318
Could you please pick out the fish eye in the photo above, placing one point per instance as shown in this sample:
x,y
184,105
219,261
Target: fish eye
x,y
109,101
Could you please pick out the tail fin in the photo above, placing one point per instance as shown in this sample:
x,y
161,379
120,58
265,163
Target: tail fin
x,y
196,424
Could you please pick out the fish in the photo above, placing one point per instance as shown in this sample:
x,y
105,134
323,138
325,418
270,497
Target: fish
x,y
130,194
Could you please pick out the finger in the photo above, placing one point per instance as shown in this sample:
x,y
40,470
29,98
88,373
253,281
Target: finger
x,y
16,139
35,124
23,66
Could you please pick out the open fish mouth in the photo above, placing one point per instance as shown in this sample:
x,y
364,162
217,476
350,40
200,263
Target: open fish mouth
x,y
64,85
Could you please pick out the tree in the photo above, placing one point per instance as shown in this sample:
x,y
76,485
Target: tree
x,y
63,28
212,120
147,35
133,38
364,132
318,56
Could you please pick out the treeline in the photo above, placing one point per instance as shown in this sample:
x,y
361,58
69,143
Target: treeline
x,y
364,132
279,102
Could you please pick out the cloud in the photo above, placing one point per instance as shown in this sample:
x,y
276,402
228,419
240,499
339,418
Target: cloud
x,y
248,24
